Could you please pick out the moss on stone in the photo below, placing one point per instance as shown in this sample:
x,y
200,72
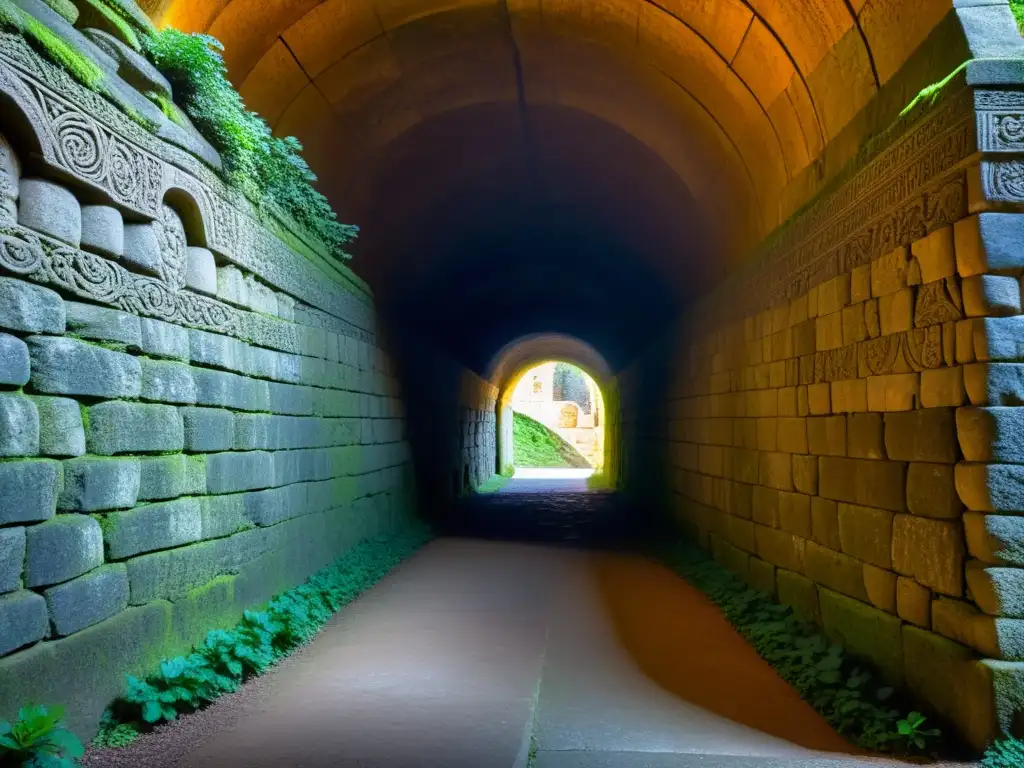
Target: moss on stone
x,y
1017,7
65,8
168,107
52,46
117,22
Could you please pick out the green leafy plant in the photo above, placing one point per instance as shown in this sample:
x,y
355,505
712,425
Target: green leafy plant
x,y
260,639
37,740
1017,7
113,734
845,691
1005,753
117,20
268,169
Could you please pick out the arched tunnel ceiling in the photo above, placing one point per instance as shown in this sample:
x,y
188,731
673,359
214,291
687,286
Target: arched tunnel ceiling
x,y
590,164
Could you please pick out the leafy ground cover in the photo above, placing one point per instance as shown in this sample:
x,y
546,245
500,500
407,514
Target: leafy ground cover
x,y
534,445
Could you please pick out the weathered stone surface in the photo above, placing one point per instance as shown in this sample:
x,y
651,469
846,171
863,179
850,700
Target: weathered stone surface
x,y
994,383
998,339
800,593
14,365
991,434
988,242
61,549
51,209
28,490
19,426
776,471
780,548
23,620
103,324
931,491
102,230
93,484
995,638
195,475
216,350
894,392
997,591
120,427
142,248
835,570
229,390
31,308
223,515
990,487
167,382
795,513
991,295
825,523
943,387
230,472
201,273
866,534
864,631
170,574
935,255
208,429
69,367
290,399
162,477
860,481
88,599
889,273
864,436
914,602
880,584
805,474
154,526
931,551
161,339
276,504
924,435
995,539
61,432
12,558
826,435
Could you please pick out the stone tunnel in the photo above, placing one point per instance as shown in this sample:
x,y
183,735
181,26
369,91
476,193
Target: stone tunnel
x,y
784,236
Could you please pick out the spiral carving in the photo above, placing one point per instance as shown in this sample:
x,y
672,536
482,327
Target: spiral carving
x,y
20,253
126,177
85,274
1010,128
81,145
170,234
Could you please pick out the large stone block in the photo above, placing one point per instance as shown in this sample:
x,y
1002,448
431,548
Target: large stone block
x,y
995,539
231,472
805,474
88,599
229,390
800,593
223,515
999,339
201,273
213,349
864,482
991,295
208,429
103,324
51,209
61,549
23,620
171,573
993,637
162,477
12,558
776,471
935,255
880,584
94,484
924,435
142,248
991,434
825,523
990,487
795,513
61,432
28,490
167,382
864,631
913,602
154,526
780,548
931,491
31,308
988,242
994,383
14,363
70,367
19,426
120,427
102,230
276,504
866,534
835,571
290,399
826,435
943,387
161,339
865,436
931,551
997,591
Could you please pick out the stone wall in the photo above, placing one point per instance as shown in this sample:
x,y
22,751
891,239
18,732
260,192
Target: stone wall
x,y
843,432
195,408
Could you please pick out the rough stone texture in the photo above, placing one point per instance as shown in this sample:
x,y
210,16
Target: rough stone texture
x,y
201,273
208,429
931,551
61,549
223,515
864,631
835,570
995,383
12,558
866,534
88,599
160,339
987,242
14,365
155,526
880,585
991,434
142,248
229,390
995,539
61,432
51,209
66,366
231,472
19,426
93,484
990,487
924,435
23,620
102,230
102,324
931,491
800,593
991,295
825,523
996,591
860,481
167,382
28,490
119,427
943,387
865,436
162,477
31,308
913,602
994,638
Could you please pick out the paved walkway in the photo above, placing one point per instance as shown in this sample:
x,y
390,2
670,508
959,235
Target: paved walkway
x,y
473,650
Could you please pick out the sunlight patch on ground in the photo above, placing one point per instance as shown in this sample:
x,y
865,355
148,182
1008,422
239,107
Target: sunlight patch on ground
x,y
552,473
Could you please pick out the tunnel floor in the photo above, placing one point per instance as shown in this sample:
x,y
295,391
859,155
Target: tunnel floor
x,y
475,653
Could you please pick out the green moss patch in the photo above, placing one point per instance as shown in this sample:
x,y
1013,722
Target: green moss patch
x,y
495,484
52,46
1017,7
534,445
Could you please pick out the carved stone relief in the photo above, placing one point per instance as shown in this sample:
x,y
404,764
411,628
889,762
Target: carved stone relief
x,y
904,352
938,302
